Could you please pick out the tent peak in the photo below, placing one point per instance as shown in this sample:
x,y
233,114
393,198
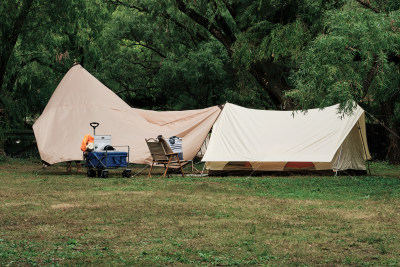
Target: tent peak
x,y
75,64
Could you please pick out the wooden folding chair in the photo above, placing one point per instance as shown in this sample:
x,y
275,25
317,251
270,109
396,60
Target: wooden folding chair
x,y
168,149
163,154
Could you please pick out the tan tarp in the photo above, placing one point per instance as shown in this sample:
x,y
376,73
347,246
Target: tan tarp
x,y
80,99
278,140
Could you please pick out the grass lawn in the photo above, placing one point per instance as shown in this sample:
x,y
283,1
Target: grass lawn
x,y
48,217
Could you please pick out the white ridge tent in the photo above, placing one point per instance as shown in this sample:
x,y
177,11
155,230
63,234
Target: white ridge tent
x,y
80,99
249,139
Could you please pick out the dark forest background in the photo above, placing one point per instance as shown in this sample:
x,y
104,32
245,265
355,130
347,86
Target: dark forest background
x,y
189,54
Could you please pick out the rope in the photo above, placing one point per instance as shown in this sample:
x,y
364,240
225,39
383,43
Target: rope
x,y
202,171
141,170
348,174
253,171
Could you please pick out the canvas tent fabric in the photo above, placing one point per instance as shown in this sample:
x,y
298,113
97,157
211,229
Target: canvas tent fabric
x,y
252,139
80,99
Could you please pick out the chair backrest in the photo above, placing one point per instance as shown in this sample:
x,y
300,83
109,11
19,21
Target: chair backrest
x,y
165,145
156,150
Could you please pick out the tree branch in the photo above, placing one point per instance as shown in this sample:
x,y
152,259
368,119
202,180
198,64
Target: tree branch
x,y
120,3
134,90
32,29
230,8
222,23
370,76
180,25
143,65
207,24
368,5
150,48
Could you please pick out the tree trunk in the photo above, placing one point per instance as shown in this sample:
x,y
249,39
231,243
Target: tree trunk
x,y
267,73
393,154
10,37
394,147
270,77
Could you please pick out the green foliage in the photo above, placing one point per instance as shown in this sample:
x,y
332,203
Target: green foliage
x,y
197,78
179,54
53,35
355,60
160,56
337,64
151,53
159,59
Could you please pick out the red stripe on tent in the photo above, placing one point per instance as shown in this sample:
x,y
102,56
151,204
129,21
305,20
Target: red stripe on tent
x,y
299,165
247,165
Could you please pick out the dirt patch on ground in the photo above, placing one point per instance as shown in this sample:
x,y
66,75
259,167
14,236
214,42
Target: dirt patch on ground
x,y
65,206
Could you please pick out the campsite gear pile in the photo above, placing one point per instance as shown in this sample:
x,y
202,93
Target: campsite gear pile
x,y
103,156
242,138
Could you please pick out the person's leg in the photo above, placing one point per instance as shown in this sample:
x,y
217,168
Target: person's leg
x,y
78,166
44,164
69,166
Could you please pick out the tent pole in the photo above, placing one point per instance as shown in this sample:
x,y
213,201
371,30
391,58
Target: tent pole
x,y
338,161
365,152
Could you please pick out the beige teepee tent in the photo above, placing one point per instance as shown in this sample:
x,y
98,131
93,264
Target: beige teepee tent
x,y
80,99
248,139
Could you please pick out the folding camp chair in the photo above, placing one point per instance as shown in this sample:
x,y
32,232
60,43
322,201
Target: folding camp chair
x,y
169,149
163,154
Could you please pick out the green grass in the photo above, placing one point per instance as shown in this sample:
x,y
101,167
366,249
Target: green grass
x,y
48,217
